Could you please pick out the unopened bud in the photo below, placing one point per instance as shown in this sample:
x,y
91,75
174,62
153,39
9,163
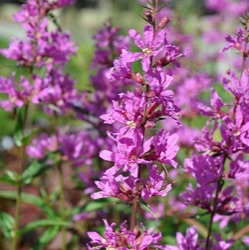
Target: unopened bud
x,y
138,78
163,22
238,46
148,15
162,62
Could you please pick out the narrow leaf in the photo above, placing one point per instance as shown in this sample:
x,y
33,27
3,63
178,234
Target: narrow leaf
x,y
30,198
10,177
42,223
46,237
146,207
6,224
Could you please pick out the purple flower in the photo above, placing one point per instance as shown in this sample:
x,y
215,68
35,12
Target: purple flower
x,y
42,47
204,169
170,54
17,93
128,110
109,43
42,145
130,150
119,187
189,241
228,7
56,91
151,46
159,81
155,184
216,105
163,148
200,196
124,239
238,87
78,147
121,70
131,188
20,51
194,86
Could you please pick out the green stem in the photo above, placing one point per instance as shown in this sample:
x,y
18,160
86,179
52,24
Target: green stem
x,y
15,242
135,206
219,187
134,214
17,217
62,205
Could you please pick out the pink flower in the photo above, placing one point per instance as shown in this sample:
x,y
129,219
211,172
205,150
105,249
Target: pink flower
x,y
151,45
124,239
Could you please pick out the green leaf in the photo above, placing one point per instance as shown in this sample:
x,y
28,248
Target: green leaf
x,y
19,136
43,223
10,177
22,140
54,108
95,205
26,139
35,169
38,167
7,224
30,198
46,237
146,207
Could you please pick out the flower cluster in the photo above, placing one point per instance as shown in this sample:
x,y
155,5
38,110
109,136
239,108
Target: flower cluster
x,y
135,176
77,147
41,49
220,161
190,241
139,239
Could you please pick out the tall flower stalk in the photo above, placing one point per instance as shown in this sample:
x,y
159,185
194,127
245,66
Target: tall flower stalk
x,y
135,176
217,163
15,241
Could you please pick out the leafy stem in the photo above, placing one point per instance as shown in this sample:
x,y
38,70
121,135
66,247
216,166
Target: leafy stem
x,y
218,189
15,241
135,205
62,203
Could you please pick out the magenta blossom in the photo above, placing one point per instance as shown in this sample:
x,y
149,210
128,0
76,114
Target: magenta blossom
x,y
132,188
189,241
138,239
152,45
164,148
17,93
130,150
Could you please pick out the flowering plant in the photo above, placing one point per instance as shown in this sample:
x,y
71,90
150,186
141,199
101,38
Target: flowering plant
x,y
153,154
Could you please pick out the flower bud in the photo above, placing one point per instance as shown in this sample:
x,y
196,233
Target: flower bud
x,y
163,23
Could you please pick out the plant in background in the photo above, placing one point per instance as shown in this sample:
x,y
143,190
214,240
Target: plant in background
x,y
220,165
44,53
